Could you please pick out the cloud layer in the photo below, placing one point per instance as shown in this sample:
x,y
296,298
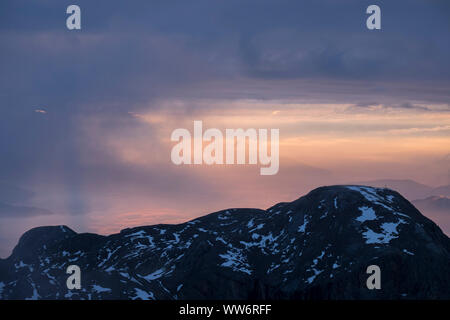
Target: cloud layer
x,y
86,115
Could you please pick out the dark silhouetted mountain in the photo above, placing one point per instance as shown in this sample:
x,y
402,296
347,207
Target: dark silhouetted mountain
x,y
316,247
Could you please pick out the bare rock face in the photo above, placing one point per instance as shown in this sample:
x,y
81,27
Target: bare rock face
x,y
316,247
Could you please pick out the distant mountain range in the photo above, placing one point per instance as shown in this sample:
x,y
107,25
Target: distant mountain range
x,y
441,191
438,209
410,189
434,203
316,247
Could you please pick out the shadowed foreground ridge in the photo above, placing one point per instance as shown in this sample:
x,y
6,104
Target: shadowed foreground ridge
x,y
316,247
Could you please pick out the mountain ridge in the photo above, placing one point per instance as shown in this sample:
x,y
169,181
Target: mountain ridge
x,y
439,203
315,247
409,188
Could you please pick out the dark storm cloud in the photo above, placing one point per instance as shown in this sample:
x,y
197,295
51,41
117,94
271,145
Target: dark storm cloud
x,y
133,52
128,55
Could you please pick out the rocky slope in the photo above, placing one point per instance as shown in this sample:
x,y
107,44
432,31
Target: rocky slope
x,y
316,247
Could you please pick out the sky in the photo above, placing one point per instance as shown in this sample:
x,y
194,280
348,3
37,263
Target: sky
x,y
86,115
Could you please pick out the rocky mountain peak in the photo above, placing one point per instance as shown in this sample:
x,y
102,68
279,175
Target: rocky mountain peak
x,y
316,247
